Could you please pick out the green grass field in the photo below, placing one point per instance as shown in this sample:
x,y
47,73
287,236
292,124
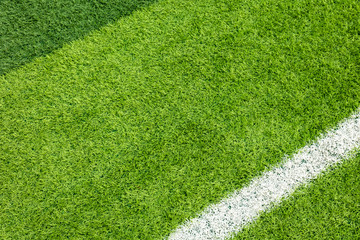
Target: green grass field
x,y
129,130
33,28
327,209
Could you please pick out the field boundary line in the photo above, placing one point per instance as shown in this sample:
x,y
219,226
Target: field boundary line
x,y
232,214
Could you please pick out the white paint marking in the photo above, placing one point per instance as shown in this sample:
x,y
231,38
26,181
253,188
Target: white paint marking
x,y
228,217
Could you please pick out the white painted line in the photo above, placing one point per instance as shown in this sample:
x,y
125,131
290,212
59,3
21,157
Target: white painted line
x,y
228,217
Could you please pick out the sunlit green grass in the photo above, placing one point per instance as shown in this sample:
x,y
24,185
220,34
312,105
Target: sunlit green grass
x,y
34,28
328,208
137,127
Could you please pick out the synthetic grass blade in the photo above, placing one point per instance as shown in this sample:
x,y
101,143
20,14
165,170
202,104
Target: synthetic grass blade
x,y
224,219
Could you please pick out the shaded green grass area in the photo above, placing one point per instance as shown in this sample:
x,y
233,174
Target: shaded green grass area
x,y
33,28
127,133
328,208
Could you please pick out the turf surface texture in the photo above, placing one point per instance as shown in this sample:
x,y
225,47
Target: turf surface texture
x,y
138,126
328,208
34,28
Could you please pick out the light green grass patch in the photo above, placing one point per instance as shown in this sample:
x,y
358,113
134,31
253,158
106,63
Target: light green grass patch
x,y
34,28
328,208
127,133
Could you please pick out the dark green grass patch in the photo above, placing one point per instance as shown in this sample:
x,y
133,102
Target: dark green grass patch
x,y
329,208
33,28
141,125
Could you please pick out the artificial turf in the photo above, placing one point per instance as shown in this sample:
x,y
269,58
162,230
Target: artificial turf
x,y
33,28
128,132
327,208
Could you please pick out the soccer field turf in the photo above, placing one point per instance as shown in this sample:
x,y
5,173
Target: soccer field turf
x,y
327,209
33,28
140,125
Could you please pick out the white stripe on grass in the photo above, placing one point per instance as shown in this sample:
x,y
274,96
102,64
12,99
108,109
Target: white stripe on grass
x,y
228,217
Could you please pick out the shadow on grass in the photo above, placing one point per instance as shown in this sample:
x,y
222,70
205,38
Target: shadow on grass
x,y
30,28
